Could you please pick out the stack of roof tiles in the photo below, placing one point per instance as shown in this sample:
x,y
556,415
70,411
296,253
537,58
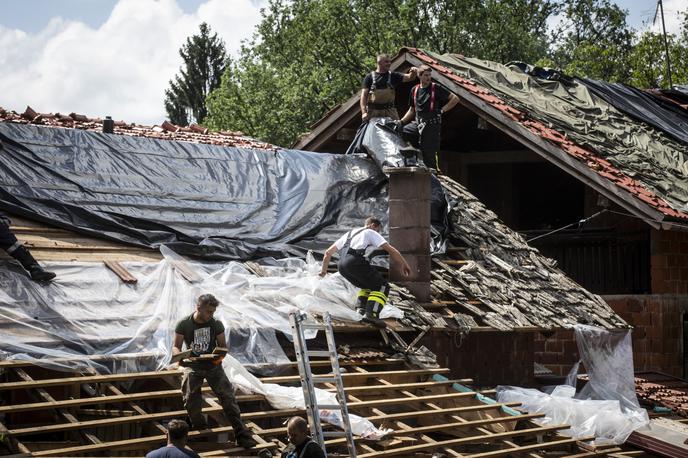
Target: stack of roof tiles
x,y
662,390
166,131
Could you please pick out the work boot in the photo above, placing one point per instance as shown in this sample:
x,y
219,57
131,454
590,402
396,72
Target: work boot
x,y
361,301
372,315
244,439
27,261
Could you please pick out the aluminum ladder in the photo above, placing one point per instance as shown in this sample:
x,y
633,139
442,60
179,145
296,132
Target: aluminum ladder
x,y
308,380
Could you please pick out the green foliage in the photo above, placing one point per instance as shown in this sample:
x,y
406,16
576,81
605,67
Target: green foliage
x,y
309,55
204,59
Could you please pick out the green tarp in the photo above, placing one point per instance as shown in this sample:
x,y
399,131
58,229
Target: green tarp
x,y
639,150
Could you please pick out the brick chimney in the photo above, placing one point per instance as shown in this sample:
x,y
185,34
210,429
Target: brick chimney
x,y
409,226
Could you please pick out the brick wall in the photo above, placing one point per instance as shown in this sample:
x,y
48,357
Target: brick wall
x,y
489,358
657,336
669,262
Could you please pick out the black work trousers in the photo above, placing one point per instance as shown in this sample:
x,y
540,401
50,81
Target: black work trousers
x,y
425,134
356,269
8,241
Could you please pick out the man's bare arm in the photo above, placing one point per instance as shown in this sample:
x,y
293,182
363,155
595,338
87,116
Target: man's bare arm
x,y
453,100
364,104
408,117
177,344
326,260
396,256
221,340
411,75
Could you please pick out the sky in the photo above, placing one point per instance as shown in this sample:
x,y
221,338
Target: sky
x,y
116,57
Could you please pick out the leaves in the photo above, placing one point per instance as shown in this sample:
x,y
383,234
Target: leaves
x,y
204,58
309,55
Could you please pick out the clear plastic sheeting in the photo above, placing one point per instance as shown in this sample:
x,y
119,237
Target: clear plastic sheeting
x,y
88,317
291,397
607,406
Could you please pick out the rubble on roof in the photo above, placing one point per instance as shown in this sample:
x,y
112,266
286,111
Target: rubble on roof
x,y
166,131
505,283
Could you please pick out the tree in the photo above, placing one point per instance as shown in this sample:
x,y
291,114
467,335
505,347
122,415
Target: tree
x,y
594,40
204,59
309,55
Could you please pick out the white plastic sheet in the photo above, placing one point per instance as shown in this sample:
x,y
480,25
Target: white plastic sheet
x,y
89,311
288,397
607,407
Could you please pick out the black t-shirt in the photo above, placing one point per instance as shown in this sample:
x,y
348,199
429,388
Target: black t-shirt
x,y
200,338
383,80
172,452
312,450
424,95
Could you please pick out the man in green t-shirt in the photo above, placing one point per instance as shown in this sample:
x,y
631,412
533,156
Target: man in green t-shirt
x,y
201,333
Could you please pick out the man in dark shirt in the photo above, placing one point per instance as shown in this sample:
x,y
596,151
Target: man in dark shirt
x,y
13,247
379,90
302,446
201,333
423,120
177,432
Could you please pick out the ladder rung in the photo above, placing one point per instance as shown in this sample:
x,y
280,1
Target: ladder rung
x,y
322,353
324,380
329,407
334,433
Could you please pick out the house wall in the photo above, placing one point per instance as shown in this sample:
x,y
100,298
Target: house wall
x,y
489,358
658,335
669,262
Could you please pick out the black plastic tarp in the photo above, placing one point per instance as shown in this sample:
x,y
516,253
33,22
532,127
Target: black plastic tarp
x,y
200,200
667,117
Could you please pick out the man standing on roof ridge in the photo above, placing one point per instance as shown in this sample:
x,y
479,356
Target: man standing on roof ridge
x,y
13,247
379,90
357,269
202,333
423,120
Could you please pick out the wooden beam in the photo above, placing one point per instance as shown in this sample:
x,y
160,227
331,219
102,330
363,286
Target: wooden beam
x,y
470,424
467,440
121,272
526,448
142,418
148,375
358,376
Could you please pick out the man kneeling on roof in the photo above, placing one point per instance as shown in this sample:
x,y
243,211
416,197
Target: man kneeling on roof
x,y
13,247
202,333
354,266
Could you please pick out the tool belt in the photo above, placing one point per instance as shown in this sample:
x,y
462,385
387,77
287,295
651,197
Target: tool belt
x,y
434,118
380,106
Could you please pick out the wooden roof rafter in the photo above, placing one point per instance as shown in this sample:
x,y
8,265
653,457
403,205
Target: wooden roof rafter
x,y
425,411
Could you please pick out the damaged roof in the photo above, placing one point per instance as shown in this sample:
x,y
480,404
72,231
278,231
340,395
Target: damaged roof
x,y
641,168
165,131
489,279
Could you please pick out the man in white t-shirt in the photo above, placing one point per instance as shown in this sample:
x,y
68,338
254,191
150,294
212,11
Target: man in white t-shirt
x,y
354,266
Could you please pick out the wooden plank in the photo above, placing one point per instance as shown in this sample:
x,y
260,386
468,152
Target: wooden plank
x,y
121,272
66,415
88,379
186,271
11,442
358,376
148,375
137,419
122,356
467,440
445,411
471,424
526,448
